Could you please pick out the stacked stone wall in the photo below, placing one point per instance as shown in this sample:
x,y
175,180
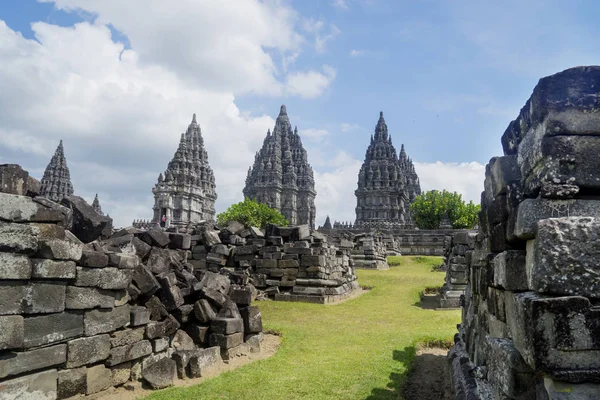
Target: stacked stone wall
x,y
530,326
80,318
457,257
369,252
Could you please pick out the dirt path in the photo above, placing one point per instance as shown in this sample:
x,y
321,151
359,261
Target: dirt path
x,y
429,378
268,347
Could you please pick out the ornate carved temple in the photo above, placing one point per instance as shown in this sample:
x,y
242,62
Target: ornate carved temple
x,y
96,205
387,184
185,193
56,182
281,175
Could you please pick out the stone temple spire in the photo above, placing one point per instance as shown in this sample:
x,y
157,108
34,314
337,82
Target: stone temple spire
x,y
387,184
281,175
56,182
327,224
96,205
186,193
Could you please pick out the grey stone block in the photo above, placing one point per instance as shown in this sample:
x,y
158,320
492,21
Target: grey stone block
x,y
14,266
98,378
121,354
123,261
145,280
139,315
252,319
508,371
28,361
45,329
120,373
81,298
87,350
164,328
21,297
102,321
226,341
203,360
72,382
510,270
227,326
50,269
160,344
93,259
40,386
104,278
564,257
19,238
127,336
12,332
160,374
15,208
59,250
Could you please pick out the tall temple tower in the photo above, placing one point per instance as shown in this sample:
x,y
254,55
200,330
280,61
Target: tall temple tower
x,y
281,175
185,193
56,182
387,184
96,205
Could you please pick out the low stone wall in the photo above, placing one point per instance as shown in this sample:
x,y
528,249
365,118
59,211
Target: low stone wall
x,y
369,252
457,257
79,318
530,325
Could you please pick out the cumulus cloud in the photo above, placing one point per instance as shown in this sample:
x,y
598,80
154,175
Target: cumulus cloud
x,y
465,178
315,135
310,84
321,38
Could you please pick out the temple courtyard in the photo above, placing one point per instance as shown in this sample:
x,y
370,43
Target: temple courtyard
x,y
362,348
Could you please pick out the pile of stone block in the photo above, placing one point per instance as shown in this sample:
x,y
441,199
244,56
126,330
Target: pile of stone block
x,y
79,318
285,263
370,252
530,326
457,257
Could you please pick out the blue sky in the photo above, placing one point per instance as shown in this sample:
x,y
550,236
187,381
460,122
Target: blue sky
x,y
119,84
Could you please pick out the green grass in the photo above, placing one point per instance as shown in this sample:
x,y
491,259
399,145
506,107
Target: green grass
x,y
359,349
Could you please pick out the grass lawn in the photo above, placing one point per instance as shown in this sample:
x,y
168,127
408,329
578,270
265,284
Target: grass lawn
x,y
359,349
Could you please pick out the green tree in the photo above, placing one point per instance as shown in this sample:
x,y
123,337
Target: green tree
x,y
429,208
251,213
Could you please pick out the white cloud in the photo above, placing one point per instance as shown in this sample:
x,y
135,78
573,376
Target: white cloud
x,y
346,127
315,27
310,84
314,135
340,4
357,53
465,178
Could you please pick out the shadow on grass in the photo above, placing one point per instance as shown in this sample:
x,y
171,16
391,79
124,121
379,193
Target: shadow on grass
x,y
393,390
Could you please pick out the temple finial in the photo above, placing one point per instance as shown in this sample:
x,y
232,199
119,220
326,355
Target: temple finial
x,y
194,119
380,114
283,110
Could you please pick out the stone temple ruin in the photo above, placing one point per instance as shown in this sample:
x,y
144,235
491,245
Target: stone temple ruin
x,y
281,176
530,326
56,182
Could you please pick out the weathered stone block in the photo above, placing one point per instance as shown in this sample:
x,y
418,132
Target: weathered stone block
x,y
198,333
155,237
508,371
127,336
203,360
59,250
81,298
72,382
18,238
87,350
210,238
120,373
159,260
142,249
241,295
180,241
139,315
12,332
98,378
160,329
40,386
182,341
16,208
312,261
17,363
226,341
252,319
160,374
288,263
563,259
145,280
502,171
20,297
123,261
102,321
160,344
130,352
50,269
510,270
104,278
51,328
14,266
93,259
227,326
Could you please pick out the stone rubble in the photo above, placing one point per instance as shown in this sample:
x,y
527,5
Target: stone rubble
x,y
530,313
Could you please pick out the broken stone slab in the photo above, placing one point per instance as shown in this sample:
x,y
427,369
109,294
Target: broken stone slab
x,y
155,237
160,374
252,319
12,332
210,238
226,341
142,249
50,269
98,378
139,315
59,250
198,333
241,295
204,311
170,294
15,266
22,297
14,363
182,341
103,321
120,374
49,211
40,386
14,208
19,238
93,259
72,382
157,310
145,280
46,329
203,360
123,261
87,350
235,227
180,241
160,260
129,352
509,372
161,329
229,310
81,298
15,180
127,336
563,258
88,225
227,326
216,282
